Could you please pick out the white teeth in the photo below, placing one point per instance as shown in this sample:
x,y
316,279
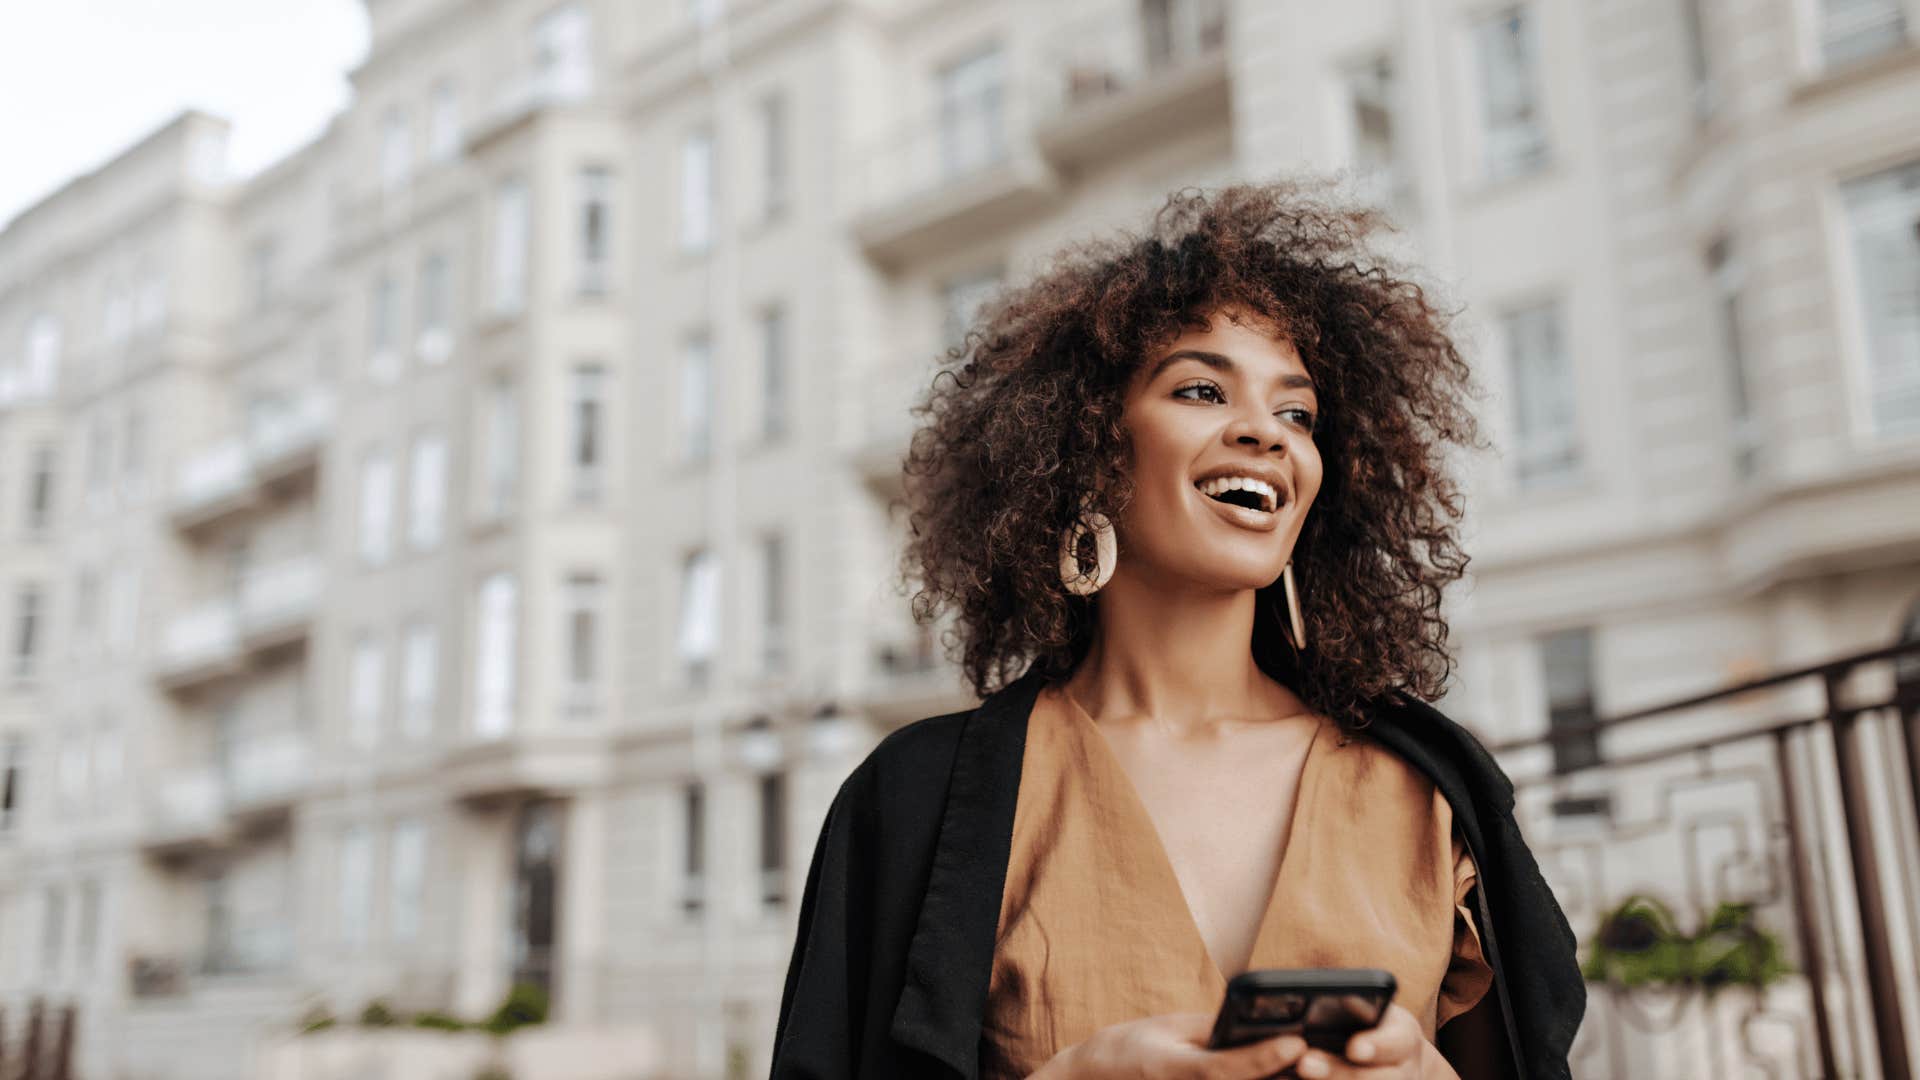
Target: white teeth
x,y
1220,485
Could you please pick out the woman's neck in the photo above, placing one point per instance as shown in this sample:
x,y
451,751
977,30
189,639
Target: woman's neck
x,y
1178,656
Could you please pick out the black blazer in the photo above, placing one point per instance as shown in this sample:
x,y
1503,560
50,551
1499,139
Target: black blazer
x,y
889,972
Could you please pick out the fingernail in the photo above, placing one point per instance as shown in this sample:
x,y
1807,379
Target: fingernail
x,y
1314,1067
1361,1050
1290,1045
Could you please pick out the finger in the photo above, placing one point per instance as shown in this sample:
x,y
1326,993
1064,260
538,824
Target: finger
x,y
1195,1028
1258,1059
1395,1039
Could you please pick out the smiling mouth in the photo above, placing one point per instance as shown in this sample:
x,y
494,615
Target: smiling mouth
x,y
1259,497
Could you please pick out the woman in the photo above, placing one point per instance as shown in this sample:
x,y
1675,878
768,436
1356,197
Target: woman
x,y
1194,486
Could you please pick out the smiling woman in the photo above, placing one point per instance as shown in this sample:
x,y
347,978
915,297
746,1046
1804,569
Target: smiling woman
x,y
1186,494
1257,304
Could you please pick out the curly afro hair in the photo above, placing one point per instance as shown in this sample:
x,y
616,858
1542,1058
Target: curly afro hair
x,y
1024,421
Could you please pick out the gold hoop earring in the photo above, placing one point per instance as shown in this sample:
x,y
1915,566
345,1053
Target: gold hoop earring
x,y
1296,626
1105,552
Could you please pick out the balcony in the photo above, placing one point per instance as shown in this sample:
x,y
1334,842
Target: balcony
x,y
267,774
281,443
911,681
1131,77
521,765
277,603
199,646
946,178
187,813
213,484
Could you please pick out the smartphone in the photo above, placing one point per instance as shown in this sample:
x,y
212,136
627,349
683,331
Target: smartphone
x,y
1327,1006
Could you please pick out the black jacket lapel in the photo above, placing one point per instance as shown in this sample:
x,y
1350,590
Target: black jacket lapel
x,y
951,958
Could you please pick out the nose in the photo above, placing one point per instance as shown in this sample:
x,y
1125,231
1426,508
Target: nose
x,y
1261,429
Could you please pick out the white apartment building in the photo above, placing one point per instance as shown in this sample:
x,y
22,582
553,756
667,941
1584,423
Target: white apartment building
x,y
461,554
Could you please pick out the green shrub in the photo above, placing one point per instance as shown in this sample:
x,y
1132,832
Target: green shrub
x,y
317,1018
1638,944
377,1014
439,1021
525,1004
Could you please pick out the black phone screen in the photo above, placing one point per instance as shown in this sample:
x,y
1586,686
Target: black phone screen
x,y
1326,1006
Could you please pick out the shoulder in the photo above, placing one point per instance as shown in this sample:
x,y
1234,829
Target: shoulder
x,y
1442,748
907,765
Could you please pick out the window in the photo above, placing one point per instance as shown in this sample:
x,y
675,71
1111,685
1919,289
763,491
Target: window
x,y
1728,278
133,453
1566,661
435,340
123,589
699,615
696,192
596,197
494,659
43,355
1546,436
1514,138
99,461
705,12
773,373
396,149
562,55
427,492
223,943
773,839
73,770
376,507
13,767
1373,108
443,122
109,761
773,603
366,691
1699,69
407,878
501,410
1883,216
27,615
383,330
972,125
87,947
773,156
86,608
961,300
584,597
264,261
696,398
586,438
40,491
53,928
694,846
356,885
1854,30
420,679
510,243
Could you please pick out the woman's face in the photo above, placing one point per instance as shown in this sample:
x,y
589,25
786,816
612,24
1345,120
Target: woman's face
x,y
1206,409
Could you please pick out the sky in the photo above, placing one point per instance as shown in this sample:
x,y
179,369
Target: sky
x,y
82,80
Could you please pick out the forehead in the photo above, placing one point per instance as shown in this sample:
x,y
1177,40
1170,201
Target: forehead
x,y
1253,348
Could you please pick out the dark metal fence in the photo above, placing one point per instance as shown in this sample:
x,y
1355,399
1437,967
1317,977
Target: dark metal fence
x,y
43,1049
1783,813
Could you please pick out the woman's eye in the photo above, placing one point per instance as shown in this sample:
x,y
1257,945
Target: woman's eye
x,y
1208,391
1302,418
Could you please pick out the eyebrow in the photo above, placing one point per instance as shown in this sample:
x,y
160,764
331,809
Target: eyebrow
x,y
1222,362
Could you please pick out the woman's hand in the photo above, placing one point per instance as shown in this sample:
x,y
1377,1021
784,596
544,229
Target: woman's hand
x,y
1396,1049
1172,1046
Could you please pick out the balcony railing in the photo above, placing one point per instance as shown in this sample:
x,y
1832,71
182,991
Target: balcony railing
x,y
268,770
1131,75
1785,807
201,641
280,600
279,441
189,804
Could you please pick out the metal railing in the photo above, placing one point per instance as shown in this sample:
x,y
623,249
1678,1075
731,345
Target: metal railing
x,y
1792,801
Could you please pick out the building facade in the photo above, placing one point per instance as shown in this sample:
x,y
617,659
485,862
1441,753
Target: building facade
x,y
462,554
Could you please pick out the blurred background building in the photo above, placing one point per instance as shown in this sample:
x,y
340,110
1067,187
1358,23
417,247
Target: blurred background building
x,y
461,554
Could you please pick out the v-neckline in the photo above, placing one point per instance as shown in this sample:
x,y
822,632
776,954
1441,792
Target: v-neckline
x,y
1139,804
